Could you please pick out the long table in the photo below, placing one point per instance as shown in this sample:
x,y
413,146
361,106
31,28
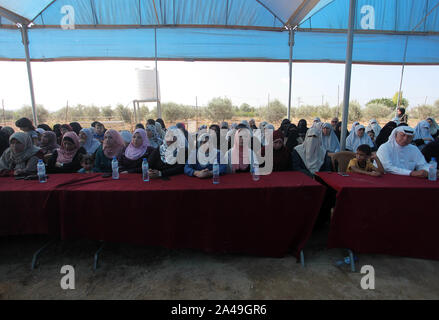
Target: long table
x,y
391,214
268,217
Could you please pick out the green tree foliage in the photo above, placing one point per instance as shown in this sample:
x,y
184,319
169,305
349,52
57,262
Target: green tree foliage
x,y
92,112
26,111
355,113
384,101
107,112
171,111
143,113
424,111
276,111
124,113
377,111
219,109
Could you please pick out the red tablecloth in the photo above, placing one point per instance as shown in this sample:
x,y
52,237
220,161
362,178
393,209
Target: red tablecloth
x,y
391,214
238,215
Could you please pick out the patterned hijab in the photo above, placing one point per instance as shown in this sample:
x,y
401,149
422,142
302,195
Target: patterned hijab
x,y
155,141
51,142
65,156
115,147
166,155
135,153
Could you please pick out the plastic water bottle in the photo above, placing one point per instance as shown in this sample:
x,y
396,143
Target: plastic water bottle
x,y
145,168
216,172
41,170
115,168
255,172
432,170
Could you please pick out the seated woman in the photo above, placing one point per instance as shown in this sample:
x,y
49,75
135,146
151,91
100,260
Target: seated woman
x,y
422,134
87,140
302,129
202,168
362,163
131,160
48,143
113,146
329,139
164,161
67,158
399,156
282,160
358,137
153,137
434,127
241,157
21,157
26,125
310,157
374,126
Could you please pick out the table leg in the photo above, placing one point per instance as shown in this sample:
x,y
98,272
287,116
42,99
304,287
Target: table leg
x,y
36,254
351,258
96,256
302,258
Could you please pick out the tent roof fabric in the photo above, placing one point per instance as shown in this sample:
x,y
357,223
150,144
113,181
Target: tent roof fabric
x,y
232,30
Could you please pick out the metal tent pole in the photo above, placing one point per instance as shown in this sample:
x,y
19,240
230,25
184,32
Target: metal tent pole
x,y
348,69
25,39
159,108
402,76
290,65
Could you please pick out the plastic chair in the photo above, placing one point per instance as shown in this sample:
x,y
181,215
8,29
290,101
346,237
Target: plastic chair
x,y
340,160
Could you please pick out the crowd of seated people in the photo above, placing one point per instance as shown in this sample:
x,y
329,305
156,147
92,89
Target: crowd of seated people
x,y
69,148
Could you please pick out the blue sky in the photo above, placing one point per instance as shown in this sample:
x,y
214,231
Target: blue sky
x,y
112,82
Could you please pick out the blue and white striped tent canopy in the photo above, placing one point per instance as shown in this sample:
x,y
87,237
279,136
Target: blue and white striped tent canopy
x,y
221,30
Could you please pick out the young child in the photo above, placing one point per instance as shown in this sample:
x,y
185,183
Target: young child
x,y
362,162
87,163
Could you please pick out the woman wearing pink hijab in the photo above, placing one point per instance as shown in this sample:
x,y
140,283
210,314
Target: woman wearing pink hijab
x,y
113,146
139,148
66,159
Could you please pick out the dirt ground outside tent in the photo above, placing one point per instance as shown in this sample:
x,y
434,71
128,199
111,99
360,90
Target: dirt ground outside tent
x,y
135,272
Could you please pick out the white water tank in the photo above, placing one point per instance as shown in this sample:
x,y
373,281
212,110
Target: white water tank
x,y
146,84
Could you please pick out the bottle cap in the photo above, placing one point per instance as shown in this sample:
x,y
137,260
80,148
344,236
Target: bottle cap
x,y
114,158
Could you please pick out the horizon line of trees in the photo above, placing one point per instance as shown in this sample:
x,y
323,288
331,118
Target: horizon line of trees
x,y
221,109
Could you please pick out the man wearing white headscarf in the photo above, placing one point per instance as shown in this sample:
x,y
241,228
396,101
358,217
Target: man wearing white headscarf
x,y
310,156
358,137
329,139
373,125
399,156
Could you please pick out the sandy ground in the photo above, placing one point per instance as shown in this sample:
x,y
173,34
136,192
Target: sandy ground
x,y
133,272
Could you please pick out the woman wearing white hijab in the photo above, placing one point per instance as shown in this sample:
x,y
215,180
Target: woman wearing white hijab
x,y
358,137
399,156
310,156
422,133
329,139
373,125
87,140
